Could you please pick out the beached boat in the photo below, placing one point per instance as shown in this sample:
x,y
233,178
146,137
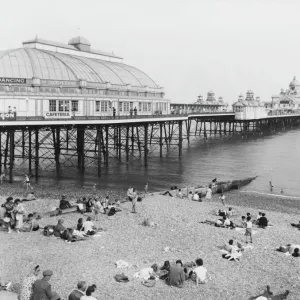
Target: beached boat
x,y
218,187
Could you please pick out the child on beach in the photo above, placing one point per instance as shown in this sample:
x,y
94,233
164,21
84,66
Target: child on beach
x,y
200,271
134,200
223,199
208,192
146,188
27,182
248,231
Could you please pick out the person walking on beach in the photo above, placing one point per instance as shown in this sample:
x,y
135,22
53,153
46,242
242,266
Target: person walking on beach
x,y
223,199
2,176
27,182
248,231
146,188
271,186
134,201
208,192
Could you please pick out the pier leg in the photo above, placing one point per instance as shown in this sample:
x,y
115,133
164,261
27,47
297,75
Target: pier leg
x,y
80,148
99,150
11,154
29,150
146,145
127,143
138,140
160,139
0,152
106,145
180,138
6,148
23,143
36,153
120,141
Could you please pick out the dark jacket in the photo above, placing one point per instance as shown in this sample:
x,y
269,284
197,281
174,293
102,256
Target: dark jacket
x,y
76,295
263,221
41,290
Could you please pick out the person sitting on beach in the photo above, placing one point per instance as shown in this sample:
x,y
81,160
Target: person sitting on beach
x,y
258,217
64,204
30,197
76,294
225,222
89,205
31,224
196,197
190,195
166,268
179,194
147,273
268,295
130,193
68,235
27,283
230,212
289,248
79,226
263,221
296,253
89,226
42,288
200,271
176,275
9,216
91,289
59,228
229,247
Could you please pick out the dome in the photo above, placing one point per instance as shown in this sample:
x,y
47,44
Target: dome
x,y
294,84
79,40
43,64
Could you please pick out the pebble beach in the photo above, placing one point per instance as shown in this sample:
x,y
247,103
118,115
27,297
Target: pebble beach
x,y
178,235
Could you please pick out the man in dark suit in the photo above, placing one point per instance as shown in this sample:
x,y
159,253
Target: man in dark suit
x,y
76,294
42,288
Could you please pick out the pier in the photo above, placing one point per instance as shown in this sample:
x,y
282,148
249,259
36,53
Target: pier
x,y
35,143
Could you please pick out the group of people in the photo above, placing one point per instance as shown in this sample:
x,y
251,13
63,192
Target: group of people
x,y
175,274
33,288
12,214
81,231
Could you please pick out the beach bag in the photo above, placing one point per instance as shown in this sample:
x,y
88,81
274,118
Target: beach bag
x,y
121,278
111,212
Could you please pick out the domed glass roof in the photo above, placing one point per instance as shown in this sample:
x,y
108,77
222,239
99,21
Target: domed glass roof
x,y
294,83
44,64
79,40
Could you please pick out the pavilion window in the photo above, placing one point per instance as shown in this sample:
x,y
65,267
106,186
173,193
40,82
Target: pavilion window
x,y
144,106
104,105
74,105
126,106
52,105
97,107
120,106
63,105
140,106
149,106
165,106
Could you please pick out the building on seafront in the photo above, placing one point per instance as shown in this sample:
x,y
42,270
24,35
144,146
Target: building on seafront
x,y
210,104
287,101
51,79
249,107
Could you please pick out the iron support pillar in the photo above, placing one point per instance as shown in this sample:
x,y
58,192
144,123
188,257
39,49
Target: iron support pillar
x,y
99,149
180,138
106,145
146,145
11,154
29,150
160,139
36,153
80,148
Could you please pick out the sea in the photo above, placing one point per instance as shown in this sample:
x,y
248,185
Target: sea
x,y
272,157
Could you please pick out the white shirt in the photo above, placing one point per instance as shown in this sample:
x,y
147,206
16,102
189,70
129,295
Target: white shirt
x,y
87,298
201,273
88,226
196,197
227,222
249,224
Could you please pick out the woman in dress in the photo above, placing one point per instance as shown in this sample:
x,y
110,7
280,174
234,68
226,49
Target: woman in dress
x,y
208,192
19,213
9,216
29,280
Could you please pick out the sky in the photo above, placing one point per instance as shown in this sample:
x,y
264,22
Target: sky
x,y
189,47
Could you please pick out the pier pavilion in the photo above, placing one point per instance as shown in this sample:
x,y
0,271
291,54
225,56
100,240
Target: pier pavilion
x,y
46,78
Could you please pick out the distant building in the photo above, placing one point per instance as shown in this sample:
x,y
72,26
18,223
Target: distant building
x,y
249,108
211,104
287,100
